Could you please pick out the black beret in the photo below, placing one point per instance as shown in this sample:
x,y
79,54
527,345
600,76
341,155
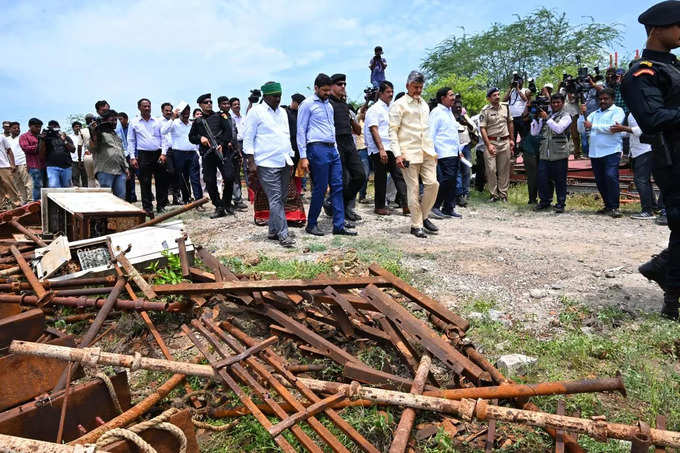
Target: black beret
x,y
662,14
297,97
203,97
335,78
222,99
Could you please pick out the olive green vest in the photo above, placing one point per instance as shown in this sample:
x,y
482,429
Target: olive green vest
x,y
555,146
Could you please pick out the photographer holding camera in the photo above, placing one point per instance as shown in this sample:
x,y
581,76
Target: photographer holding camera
x,y
554,150
254,98
516,97
377,66
56,147
110,165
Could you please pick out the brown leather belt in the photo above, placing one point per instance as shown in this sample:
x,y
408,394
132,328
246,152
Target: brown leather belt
x,y
498,139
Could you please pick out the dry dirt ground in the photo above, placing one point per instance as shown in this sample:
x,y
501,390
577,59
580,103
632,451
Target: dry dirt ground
x,y
527,263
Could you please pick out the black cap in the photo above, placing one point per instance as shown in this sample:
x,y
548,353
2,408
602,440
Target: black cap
x,y
35,121
335,78
662,14
297,97
203,97
222,99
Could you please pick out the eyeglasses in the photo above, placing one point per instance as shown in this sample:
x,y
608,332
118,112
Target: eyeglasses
x,y
207,102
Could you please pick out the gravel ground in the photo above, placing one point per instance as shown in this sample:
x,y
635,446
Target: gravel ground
x,y
524,261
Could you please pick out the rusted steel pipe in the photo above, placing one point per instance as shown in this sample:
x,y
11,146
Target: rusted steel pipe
x,y
173,213
83,291
183,257
83,302
221,412
306,367
23,445
25,231
10,259
48,284
403,431
43,295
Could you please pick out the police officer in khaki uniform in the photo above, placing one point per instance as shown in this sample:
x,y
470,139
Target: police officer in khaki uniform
x,y
651,89
495,124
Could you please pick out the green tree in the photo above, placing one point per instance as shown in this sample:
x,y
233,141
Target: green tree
x,y
543,39
73,117
472,89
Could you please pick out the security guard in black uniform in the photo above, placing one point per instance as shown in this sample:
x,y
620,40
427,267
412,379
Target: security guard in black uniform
x,y
651,89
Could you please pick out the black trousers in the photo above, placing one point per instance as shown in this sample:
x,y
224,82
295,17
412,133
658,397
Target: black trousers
x,y
552,176
668,180
380,179
211,165
130,189
479,170
447,175
149,168
353,175
531,167
173,176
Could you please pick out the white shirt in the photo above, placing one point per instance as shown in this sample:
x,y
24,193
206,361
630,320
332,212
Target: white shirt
x,y
144,135
557,127
166,141
240,123
444,130
19,156
4,146
636,148
480,144
377,115
267,137
516,103
77,141
177,133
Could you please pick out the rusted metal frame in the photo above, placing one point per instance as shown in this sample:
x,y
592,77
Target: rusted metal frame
x,y
407,340
233,385
83,302
398,343
96,325
343,303
64,404
336,321
403,431
38,419
28,325
161,440
267,285
221,272
306,368
306,413
183,257
136,276
343,321
248,379
362,373
278,364
660,424
43,295
28,233
245,353
419,298
296,405
315,296
275,298
424,335
173,213
559,434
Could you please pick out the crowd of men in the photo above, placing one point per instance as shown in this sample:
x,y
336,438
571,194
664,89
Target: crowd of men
x,y
419,152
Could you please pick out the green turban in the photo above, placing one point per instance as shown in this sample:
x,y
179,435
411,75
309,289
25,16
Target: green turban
x,y
271,88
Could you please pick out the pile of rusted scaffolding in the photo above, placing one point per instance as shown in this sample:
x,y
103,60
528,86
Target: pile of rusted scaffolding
x,y
45,397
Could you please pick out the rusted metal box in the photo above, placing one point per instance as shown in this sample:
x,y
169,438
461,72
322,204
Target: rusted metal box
x,y
84,212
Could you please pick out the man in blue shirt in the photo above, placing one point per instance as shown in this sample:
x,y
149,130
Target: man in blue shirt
x,y
605,148
377,66
319,155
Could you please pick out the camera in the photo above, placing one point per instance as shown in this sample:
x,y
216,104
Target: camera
x,y
516,79
370,94
532,86
50,132
540,104
254,96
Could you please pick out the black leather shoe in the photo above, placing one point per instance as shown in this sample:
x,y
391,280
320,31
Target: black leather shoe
x,y
239,204
351,215
430,227
670,305
350,224
615,213
541,207
345,232
655,269
218,213
559,209
462,202
418,232
287,242
314,230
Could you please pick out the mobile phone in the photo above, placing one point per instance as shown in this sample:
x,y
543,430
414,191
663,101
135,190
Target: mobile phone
x,y
406,163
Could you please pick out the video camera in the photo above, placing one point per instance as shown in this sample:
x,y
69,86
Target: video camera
x,y
254,96
540,104
532,85
50,132
370,94
582,82
516,79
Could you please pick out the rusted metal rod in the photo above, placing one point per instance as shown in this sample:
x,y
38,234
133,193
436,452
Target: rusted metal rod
x,y
403,431
222,412
73,283
10,259
43,295
183,257
304,414
83,291
25,231
23,445
173,213
306,367
83,302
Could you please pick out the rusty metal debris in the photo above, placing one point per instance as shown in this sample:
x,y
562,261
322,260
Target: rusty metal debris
x,y
330,317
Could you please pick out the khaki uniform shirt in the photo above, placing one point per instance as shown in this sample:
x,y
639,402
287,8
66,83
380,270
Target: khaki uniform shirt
x,y
495,120
410,129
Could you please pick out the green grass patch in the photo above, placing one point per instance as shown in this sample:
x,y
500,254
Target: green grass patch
x,y
283,269
380,251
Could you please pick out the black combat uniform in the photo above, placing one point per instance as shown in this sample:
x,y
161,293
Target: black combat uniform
x,y
651,89
221,129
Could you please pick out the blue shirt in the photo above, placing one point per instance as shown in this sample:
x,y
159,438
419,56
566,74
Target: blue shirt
x,y
602,141
122,133
314,123
378,71
444,130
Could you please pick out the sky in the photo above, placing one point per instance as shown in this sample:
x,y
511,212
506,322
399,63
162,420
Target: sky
x,y
61,57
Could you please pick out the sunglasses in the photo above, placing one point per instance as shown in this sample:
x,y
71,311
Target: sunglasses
x,y
207,102
342,84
